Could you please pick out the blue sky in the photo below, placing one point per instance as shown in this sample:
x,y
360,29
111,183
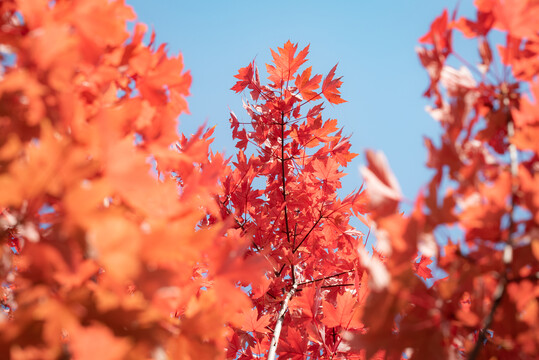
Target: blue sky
x,y
373,42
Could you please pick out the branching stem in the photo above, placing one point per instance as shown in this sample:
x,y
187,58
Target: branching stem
x,y
279,324
306,236
325,277
290,294
283,168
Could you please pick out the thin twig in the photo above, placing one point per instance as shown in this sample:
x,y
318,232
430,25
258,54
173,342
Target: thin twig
x,y
283,168
306,236
335,285
325,278
278,273
241,225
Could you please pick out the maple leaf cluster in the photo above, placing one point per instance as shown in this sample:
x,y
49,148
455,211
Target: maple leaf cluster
x,y
122,239
101,241
478,215
327,295
281,192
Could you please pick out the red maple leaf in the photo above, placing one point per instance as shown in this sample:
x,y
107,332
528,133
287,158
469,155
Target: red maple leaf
x,y
327,170
382,186
343,314
306,85
293,346
252,322
330,88
439,34
245,76
421,268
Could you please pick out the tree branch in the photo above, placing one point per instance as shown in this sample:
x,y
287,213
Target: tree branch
x,y
284,307
279,324
325,278
335,285
306,236
284,179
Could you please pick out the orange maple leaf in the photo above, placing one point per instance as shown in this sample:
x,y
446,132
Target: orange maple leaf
x,y
286,64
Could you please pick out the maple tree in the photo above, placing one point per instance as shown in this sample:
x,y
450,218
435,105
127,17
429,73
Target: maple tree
x,y
281,193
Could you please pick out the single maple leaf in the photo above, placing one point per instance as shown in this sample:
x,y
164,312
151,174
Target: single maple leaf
x,y
293,345
327,169
102,21
308,302
252,322
421,268
382,185
343,314
340,150
481,27
517,17
329,127
129,174
439,34
330,88
306,85
245,76
286,64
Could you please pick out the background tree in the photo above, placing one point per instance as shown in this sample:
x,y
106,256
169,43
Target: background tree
x,y
481,206
101,255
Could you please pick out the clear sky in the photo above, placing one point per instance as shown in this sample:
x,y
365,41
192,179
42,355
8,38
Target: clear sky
x,y
373,42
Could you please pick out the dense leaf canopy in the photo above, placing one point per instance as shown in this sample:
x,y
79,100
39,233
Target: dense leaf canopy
x,y
121,238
